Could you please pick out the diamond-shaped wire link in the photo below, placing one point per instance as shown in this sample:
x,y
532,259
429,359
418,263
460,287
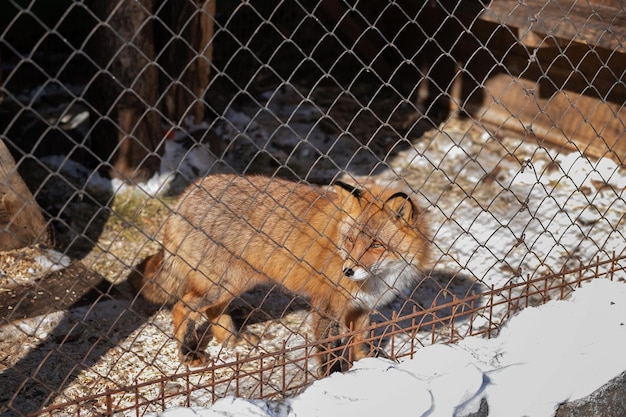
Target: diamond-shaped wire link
x,y
503,120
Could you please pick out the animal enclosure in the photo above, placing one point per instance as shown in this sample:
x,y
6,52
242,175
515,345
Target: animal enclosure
x,y
503,120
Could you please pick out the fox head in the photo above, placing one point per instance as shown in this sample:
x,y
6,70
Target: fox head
x,y
384,237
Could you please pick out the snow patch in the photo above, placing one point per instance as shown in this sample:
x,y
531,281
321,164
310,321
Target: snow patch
x,y
544,356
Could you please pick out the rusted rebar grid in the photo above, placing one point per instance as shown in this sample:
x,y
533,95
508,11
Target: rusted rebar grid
x,y
252,376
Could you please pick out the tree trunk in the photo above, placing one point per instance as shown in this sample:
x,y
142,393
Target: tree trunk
x,y
126,133
21,221
187,57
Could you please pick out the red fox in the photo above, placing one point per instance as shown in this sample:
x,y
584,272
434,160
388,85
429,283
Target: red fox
x,y
346,248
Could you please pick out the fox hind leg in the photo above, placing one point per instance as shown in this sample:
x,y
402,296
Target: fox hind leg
x,y
224,329
184,316
189,310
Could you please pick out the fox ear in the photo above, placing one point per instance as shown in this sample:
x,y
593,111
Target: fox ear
x,y
402,206
349,196
344,190
349,188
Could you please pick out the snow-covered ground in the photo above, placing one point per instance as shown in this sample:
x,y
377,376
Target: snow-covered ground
x,y
544,356
503,210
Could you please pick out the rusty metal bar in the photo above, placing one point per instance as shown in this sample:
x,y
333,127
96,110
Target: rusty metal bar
x,y
419,319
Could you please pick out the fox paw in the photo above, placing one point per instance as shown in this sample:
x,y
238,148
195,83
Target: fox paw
x,y
241,339
380,353
194,358
337,364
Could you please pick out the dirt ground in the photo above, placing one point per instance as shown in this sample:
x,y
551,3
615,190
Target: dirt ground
x,y
503,209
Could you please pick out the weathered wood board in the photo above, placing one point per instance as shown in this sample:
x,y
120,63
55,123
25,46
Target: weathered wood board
x,y
21,220
564,119
573,95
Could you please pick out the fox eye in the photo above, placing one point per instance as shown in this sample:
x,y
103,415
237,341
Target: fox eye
x,y
376,245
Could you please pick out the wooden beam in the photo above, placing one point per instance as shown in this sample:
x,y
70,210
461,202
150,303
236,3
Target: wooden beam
x,y
21,221
598,23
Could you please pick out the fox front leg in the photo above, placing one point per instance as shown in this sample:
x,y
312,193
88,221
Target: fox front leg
x,y
363,343
331,349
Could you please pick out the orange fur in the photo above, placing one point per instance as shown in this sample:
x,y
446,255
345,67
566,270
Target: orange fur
x,y
344,247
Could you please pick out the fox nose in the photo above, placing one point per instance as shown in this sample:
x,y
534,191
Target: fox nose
x,y
349,272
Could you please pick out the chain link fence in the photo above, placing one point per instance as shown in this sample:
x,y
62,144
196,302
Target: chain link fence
x,y
503,121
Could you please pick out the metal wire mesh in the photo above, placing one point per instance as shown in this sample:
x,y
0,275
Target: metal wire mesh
x,y
504,120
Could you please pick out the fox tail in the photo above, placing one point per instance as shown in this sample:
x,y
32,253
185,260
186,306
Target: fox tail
x,y
144,280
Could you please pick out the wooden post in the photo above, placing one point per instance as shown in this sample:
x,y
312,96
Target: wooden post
x,y
127,127
186,59
21,221
132,86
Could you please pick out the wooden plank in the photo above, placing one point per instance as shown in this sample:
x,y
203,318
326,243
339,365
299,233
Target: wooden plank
x,y
565,119
569,95
21,220
595,23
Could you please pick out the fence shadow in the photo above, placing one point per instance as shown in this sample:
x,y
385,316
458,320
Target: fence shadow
x,y
100,312
432,305
105,315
